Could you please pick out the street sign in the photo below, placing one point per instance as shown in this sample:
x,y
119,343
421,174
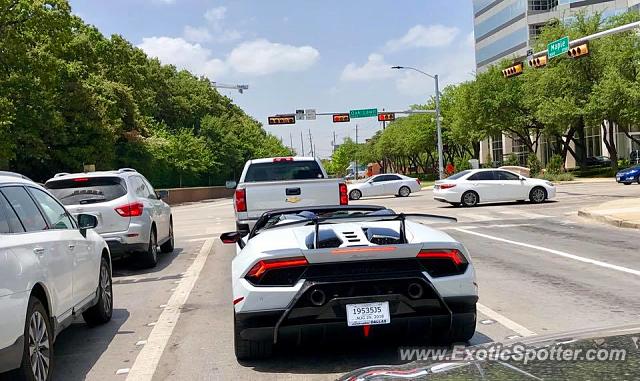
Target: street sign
x,y
299,114
558,47
364,113
310,114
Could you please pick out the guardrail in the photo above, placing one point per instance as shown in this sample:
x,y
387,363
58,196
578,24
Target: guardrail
x,y
182,195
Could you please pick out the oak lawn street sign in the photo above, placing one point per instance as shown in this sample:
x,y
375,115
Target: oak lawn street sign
x,y
364,113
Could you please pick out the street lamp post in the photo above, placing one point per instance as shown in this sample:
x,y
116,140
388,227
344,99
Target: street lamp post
x,y
438,123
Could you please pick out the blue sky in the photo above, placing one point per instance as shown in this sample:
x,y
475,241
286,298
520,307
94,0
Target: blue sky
x,y
329,55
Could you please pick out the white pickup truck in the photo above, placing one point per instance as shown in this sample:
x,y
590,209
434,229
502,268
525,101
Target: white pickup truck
x,y
284,182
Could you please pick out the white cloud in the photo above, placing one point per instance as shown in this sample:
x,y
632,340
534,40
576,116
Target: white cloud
x,y
215,15
197,34
184,55
421,36
259,57
215,31
262,57
374,68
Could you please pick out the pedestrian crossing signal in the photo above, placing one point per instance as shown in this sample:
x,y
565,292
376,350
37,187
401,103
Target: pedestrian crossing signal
x,y
282,119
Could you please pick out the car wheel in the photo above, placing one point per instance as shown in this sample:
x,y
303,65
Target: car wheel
x,y
168,246
470,198
638,179
37,356
249,349
404,191
537,195
455,204
355,194
627,183
150,257
102,311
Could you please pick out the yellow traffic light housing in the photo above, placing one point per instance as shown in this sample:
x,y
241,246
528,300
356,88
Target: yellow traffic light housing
x,y
578,51
512,71
282,119
386,117
538,61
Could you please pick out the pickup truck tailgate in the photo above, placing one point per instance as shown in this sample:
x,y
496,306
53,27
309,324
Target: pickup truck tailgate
x,y
265,196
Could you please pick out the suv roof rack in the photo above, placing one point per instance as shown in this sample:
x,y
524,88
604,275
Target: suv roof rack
x,y
126,170
14,174
61,174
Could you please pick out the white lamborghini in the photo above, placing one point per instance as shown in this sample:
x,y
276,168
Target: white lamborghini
x,y
316,273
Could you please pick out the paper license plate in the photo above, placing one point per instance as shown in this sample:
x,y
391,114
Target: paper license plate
x,y
368,314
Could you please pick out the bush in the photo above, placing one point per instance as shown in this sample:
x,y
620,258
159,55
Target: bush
x,y
512,160
461,163
535,167
567,176
554,166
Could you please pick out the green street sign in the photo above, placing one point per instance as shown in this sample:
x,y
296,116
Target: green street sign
x,y
364,113
558,47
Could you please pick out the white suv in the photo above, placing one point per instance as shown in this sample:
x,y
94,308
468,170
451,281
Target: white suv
x,y
131,215
52,269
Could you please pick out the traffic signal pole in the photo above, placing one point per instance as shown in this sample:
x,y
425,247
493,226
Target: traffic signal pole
x,y
439,131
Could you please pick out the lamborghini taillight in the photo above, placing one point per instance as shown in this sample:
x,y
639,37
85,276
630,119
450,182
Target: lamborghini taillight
x,y
443,262
277,272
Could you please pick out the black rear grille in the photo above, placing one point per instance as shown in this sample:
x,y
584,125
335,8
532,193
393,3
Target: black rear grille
x,y
362,268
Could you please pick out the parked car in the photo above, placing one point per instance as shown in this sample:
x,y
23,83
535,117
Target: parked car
x,y
598,161
281,182
385,184
53,267
132,217
475,186
629,175
314,273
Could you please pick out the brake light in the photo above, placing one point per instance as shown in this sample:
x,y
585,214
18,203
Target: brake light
x,y
260,268
279,159
81,179
344,197
130,210
446,186
238,300
241,200
453,255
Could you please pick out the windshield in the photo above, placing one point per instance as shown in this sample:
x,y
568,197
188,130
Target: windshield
x,y
458,175
87,190
283,171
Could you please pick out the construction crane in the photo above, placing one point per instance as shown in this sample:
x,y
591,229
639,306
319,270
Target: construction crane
x,y
240,88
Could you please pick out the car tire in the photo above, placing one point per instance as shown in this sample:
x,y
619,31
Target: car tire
x,y
404,191
455,204
103,310
460,333
537,195
638,179
150,257
627,183
470,198
37,316
355,194
249,349
168,246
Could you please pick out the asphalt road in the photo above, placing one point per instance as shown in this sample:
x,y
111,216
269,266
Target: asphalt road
x,y
541,269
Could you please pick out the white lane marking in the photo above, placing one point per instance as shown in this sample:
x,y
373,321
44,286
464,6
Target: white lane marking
x,y
475,217
522,214
122,371
147,361
485,226
557,252
505,321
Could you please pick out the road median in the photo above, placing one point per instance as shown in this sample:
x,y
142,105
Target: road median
x,y
624,213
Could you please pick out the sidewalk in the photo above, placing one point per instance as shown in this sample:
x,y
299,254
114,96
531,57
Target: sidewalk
x,y
623,213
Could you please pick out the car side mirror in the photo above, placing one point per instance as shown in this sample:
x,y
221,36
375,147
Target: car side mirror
x,y
162,194
86,222
233,237
522,178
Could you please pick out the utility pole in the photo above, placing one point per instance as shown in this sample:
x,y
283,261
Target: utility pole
x,y
333,143
301,144
439,131
310,142
356,156
384,161
291,140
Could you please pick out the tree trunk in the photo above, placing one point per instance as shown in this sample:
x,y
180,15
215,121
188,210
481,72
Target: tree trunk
x,y
609,141
476,150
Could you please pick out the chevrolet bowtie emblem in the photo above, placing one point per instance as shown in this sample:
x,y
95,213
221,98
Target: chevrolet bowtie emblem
x,y
293,199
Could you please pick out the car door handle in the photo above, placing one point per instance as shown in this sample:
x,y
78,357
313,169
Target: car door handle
x,y
72,246
292,192
38,250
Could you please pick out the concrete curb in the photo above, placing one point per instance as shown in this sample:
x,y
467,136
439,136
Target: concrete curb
x,y
617,222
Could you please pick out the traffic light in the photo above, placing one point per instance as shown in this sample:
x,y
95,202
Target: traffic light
x,y
512,71
282,119
341,118
386,117
538,61
578,51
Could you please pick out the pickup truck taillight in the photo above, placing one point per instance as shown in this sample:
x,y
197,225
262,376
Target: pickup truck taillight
x,y
241,200
344,197
130,210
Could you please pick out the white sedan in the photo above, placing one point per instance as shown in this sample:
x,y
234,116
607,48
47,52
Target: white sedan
x,y
381,185
472,187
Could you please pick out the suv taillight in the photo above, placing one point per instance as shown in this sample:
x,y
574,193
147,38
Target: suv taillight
x,y
130,210
241,200
344,197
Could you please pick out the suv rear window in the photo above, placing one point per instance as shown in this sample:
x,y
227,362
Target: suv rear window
x,y
283,170
87,190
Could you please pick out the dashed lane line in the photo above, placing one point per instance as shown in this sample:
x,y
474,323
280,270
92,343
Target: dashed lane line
x,y
147,361
556,252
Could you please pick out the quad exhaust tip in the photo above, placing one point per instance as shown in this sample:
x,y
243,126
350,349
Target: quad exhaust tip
x,y
317,297
415,291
